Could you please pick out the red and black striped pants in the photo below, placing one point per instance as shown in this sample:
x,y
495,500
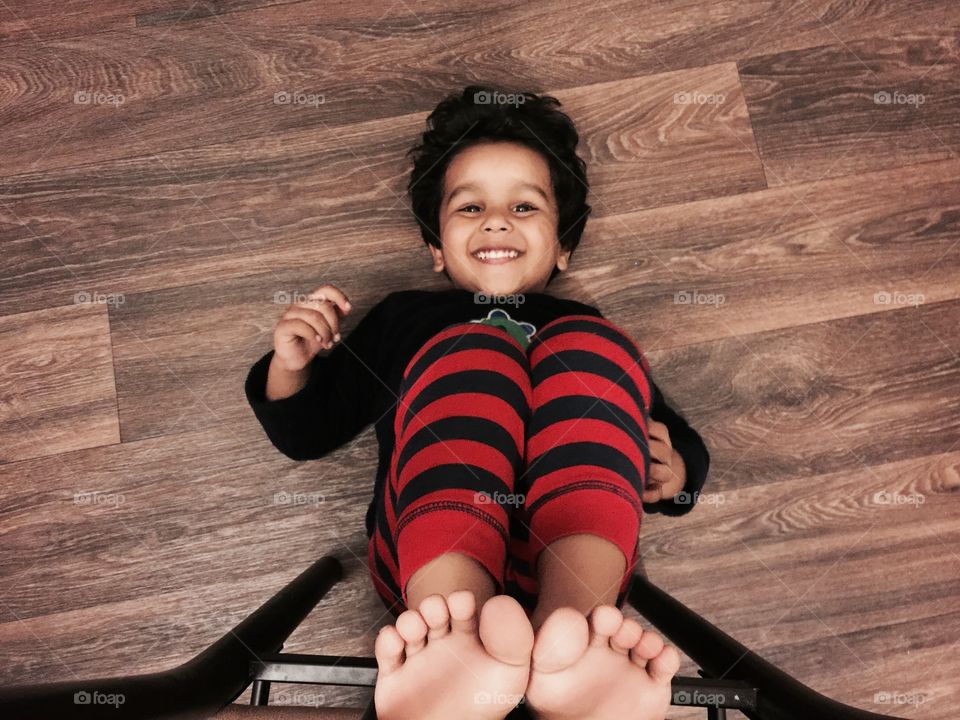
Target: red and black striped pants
x,y
501,450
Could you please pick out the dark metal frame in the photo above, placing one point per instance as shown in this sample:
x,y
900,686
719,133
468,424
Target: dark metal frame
x,y
733,676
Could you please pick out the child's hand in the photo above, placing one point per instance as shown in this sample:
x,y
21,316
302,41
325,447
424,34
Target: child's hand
x,y
307,328
668,473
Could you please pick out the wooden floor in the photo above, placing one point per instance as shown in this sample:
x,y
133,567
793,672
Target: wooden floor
x,y
799,160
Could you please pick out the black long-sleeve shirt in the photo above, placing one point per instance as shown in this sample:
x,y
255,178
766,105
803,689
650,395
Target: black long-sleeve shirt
x,y
358,381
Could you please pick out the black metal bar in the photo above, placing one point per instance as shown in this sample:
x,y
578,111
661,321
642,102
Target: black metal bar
x,y
260,692
316,669
780,697
199,687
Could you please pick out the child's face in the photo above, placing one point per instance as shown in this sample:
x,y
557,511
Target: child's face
x,y
499,195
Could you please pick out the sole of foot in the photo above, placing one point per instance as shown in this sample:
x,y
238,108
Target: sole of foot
x,y
441,661
601,667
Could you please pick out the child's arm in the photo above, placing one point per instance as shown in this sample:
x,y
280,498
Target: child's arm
x,y
328,402
694,457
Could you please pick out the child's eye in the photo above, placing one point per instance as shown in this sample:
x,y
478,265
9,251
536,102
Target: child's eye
x,y
467,207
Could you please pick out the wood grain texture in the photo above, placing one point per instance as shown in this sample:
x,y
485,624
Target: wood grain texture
x,y
849,581
57,389
194,518
665,139
812,399
174,382
215,80
845,247
854,107
826,538
320,197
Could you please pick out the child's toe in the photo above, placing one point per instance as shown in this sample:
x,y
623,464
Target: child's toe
x,y
647,648
463,611
433,610
627,636
413,630
664,666
388,649
605,620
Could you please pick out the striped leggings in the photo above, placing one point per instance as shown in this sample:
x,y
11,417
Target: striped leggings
x,y
503,447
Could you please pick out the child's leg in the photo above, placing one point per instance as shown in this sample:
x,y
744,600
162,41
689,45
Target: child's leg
x,y
587,457
459,438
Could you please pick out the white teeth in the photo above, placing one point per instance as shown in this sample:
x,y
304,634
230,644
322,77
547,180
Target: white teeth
x,y
497,254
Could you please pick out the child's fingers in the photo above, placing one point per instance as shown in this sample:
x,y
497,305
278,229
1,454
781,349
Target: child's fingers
x,y
292,329
328,310
333,295
660,451
659,474
317,319
659,430
653,493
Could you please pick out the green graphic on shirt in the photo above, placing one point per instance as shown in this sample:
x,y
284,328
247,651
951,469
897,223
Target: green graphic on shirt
x,y
519,331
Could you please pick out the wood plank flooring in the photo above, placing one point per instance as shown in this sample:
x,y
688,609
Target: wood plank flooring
x,y
776,194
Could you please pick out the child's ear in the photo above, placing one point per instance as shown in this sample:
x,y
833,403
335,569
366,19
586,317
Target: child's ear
x,y
437,258
564,259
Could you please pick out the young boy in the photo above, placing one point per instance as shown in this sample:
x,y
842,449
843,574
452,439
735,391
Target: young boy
x,y
521,438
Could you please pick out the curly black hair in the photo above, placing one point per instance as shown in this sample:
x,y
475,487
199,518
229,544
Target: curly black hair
x,y
475,116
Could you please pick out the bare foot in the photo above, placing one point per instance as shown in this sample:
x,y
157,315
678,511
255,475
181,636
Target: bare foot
x,y
609,670
434,665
